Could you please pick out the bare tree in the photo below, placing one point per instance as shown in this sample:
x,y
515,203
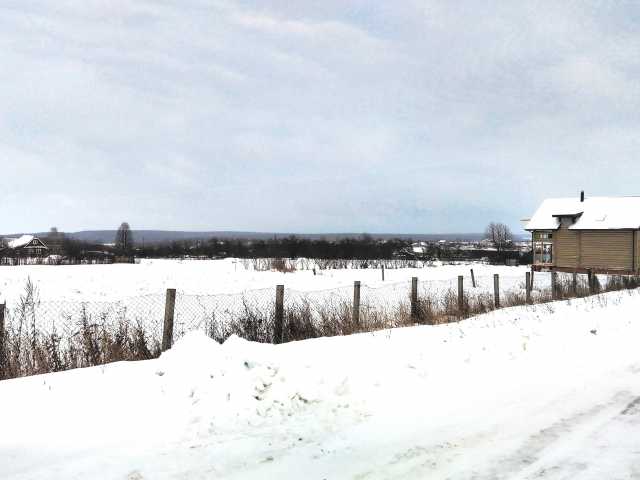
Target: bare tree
x,y
124,238
499,235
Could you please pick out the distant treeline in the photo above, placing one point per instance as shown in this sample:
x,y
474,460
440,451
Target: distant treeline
x,y
361,248
290,247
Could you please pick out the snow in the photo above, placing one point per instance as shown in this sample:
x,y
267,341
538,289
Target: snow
x,y
20,242
597,213
105,283
221,289
549,391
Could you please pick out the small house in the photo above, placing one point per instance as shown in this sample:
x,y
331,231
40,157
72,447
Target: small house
x,y
27,246
596,234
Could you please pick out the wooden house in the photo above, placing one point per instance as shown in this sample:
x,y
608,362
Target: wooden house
x,y
597,234
27,246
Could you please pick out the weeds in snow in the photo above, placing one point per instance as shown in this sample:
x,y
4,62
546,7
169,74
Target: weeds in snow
x,y
93,341
34,342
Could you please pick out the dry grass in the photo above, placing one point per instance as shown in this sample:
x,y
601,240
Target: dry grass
x,y
29,351
96,340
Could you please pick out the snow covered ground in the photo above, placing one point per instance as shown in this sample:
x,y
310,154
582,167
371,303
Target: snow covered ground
x,y
220,289
120,281
550,391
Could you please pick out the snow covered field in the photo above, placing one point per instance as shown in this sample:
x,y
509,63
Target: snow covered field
x,y
216,292
120,281
550,391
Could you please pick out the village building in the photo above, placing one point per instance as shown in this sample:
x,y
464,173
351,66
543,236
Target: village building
x,y
596,234
26,246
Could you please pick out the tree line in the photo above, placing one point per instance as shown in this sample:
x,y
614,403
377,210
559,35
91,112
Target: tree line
x,y
364,247
359,248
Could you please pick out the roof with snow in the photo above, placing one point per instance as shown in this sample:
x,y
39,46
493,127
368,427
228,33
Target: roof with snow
x,y
20,242
595,213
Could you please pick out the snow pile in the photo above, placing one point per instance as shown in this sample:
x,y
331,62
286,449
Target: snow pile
x,y
244,382
547,391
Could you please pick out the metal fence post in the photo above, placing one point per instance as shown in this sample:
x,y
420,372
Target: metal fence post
x,y
278,326
169,312
473,279
414,298
383,272
590,282
461,294
2,346
528,288
355,314
496,289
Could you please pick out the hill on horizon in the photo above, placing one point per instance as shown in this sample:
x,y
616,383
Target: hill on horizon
x,y
160,236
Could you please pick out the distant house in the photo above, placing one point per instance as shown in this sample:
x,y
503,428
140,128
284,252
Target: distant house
x,y
27,246
420,248
598,234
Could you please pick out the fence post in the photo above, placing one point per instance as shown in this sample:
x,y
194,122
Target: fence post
x,y
496,289
383,272
574,284
2,350
461,294
355,314
590,281
414,298
528,288
473,279
278,326
554,285
169,311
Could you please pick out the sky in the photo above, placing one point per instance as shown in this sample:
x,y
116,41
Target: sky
x,y
333,116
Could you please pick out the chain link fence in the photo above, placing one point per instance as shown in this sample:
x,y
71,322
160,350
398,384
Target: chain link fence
x,y
45,336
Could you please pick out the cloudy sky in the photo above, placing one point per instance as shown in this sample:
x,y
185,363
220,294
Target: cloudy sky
x,y
391,116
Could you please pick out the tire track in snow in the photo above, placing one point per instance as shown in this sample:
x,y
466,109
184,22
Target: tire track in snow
x,y
633,408
528,461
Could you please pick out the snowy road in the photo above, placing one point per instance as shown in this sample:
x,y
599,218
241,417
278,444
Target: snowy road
x,y
544,392
584,442
585,433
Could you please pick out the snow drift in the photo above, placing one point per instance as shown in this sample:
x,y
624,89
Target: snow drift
x,y
547,391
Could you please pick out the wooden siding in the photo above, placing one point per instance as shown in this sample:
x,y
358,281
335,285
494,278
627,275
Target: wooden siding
x,y
565,248
636,241
606,249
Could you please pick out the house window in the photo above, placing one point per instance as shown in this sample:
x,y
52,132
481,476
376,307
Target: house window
x,y
543,248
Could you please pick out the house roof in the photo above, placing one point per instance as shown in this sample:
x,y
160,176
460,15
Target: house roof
x,y
20,242
595,213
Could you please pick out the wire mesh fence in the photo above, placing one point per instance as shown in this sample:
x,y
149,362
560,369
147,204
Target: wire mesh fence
x,y
45,336
220,315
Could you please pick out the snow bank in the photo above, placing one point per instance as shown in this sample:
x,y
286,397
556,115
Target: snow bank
x,y
245,382
511,394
